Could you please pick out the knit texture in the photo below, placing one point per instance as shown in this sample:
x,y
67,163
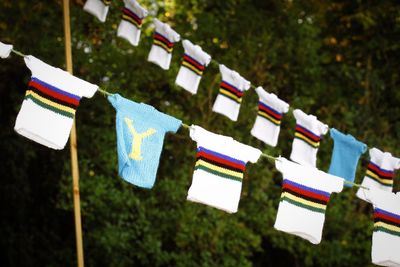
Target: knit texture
x,y
305,195
5,50
98,8
380,171
193,65
48,110
131,23
219,169
163,44
346,153
270,112
307,137
386,235
231,90
140,136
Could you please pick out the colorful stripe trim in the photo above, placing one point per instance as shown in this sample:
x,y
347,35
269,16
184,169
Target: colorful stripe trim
x,y
269,113
304,197
382,176
228,90
193,65
129,16
307,136
386,222
163,42
219,164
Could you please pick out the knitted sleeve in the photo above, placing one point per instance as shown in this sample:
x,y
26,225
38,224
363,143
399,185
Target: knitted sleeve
x,y
323,128
299,115
5,50
171,124
252,154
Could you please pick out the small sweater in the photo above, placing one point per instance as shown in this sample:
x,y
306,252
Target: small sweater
x,y
5,50
219,169
268,122
231,90
98,8
305,195
163,44
193,65
48,110
131,23
140,136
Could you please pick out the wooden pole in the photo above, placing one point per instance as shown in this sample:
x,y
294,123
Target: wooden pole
x,y
73,143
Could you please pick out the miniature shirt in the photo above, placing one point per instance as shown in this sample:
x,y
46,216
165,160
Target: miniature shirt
x,y
307,137
98,8
231,90
49,106
163,44
131,23
305,195
270,112
346,153
193,65
380,171
140,137
219,169
5,50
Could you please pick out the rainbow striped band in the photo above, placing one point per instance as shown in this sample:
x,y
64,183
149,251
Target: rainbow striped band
x,y
129,16
386,222
382,176
307,136
219,164
106,2
269,113
193,65
163,42
228,90
52,98
304,197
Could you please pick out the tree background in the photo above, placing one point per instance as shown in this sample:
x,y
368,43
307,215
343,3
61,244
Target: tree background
x,y
338,60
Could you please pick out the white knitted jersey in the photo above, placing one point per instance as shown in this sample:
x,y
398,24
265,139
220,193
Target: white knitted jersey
x,y
131,23
48,110
219,169
380,171
305,195
231,90
163,44
268,122
5,50
307,137
194,62
98,8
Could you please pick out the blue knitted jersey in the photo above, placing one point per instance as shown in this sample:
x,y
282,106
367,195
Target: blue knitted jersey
x,y
346,153
140,136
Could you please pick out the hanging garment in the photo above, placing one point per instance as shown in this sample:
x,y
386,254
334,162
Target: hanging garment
x,y
5,50
219,169
305,195
231,90
268,122
380,171
98,8
131,23
140,136
48,110
193,65
386,235
307,137
163,44
346,153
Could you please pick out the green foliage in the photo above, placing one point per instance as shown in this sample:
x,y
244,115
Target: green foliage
x,y
336,59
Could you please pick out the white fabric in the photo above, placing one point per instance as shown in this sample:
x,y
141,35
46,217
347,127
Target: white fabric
x,y
385,246
297,220
5,50
97,8
383,160
187,79
264,129
227,106
43,125
301,152
158,55
127,30
211,189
